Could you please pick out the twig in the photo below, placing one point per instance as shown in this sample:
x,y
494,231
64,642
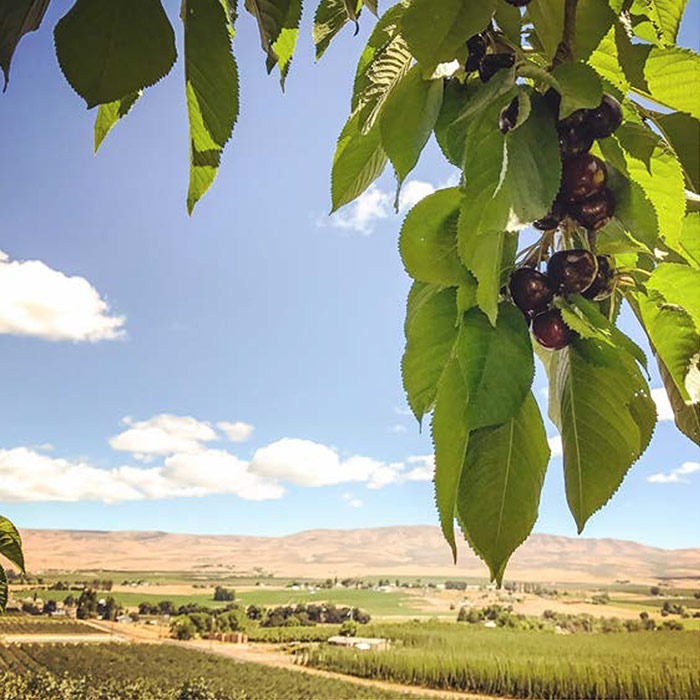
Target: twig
x,y
567,46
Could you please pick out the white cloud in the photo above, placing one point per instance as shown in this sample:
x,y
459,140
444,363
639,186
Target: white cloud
x,y
38,301
397,428
677,476
555,445
163,434
424,469
374,204
663,405
236,432
26,475
401,411
352,501
308,463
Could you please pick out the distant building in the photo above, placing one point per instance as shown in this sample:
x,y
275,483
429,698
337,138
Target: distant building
x,y
360,643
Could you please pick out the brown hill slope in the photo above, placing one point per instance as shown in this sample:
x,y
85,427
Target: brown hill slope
x,y
408,550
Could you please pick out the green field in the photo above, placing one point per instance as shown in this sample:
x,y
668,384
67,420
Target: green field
x,y
527,664
16,624
151,672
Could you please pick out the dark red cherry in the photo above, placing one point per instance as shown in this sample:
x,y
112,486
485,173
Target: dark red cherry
x,y
476,46
508,117
519,3
492,63
601,287
572,271
531,290
574,136
604,119
595,212
582,177
550,330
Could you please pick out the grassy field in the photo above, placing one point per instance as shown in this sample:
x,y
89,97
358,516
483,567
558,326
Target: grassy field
x,y
526,664
151,672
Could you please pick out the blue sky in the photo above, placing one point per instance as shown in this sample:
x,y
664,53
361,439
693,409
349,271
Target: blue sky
x,y
236,371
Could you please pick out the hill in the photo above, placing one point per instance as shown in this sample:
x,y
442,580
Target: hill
x,y
390,551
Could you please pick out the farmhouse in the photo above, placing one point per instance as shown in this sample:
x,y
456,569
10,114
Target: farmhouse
x,y
361,643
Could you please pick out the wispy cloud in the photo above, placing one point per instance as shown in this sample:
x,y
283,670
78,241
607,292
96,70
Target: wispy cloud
x,y
38,301
375,204
182,464
398,428
352,501
677,476
236,432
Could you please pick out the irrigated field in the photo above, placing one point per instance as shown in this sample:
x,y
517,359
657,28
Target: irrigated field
x,y
152,672
527,664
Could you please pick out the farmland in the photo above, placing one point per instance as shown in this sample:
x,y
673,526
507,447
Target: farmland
x,y
527,664
152,672
20,624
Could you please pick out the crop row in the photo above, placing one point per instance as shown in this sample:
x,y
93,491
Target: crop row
x,y
527,664
44,625
157,672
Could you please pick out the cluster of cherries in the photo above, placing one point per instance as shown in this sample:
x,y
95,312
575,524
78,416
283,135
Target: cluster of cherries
x,y
583,195
576,271
486,64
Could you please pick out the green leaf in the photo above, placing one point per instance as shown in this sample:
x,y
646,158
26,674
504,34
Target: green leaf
x,y
607,418
674,338
489,257
428,241
109,114
678,285
478,97
510,180
431,332
385,60
683,133
650,164
605,60
435,29
673,78
593,20
283,47
211,82
579,86
585,318
272,17
450,437
500,485
497,365
664,17
17,18
407,120
359,160
109,49
331,16
689,244
11,543
509,20
3,590
686,416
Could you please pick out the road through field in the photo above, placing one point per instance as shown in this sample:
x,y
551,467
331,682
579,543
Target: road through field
x,y
269,655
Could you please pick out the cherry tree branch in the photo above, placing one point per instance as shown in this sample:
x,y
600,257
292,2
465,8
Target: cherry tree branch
x,y
567,46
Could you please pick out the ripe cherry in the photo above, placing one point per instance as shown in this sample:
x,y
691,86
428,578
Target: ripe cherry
x,y
477,50
602,286
574,135
604,119
595,212
492,63
572,271
550,330
508,117
583,177
531,290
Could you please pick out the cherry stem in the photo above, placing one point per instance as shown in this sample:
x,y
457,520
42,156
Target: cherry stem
x,y
567,45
